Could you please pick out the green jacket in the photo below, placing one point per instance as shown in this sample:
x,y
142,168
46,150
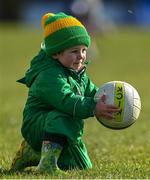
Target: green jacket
x,y
55,92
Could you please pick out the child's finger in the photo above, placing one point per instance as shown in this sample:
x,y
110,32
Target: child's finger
x,y
108,115
113,108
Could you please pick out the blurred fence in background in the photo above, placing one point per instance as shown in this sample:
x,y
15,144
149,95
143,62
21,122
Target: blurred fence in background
x,y
117,12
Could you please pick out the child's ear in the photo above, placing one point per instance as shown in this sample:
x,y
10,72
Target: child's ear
x,y
55,56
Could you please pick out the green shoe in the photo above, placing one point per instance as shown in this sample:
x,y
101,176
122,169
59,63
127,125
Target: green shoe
x,y
49,157
1,169
25,157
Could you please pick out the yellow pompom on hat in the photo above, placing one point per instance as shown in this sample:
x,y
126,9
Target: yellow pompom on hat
x,y
45,17
62,31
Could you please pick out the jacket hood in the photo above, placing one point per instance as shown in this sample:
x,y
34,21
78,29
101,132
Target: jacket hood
x,y
38,64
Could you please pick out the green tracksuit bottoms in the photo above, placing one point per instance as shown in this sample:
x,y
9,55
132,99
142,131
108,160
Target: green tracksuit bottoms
x,y
74,154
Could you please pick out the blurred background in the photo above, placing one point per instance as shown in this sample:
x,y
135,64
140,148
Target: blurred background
x,y
120,32
117,12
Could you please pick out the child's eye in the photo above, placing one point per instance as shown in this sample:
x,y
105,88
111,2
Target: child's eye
x,y
74,51
84,50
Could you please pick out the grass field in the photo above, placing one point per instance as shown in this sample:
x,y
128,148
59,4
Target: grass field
x,y
125,56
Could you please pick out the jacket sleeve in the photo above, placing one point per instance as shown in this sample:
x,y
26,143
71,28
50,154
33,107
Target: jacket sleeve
x,y
91,88
57,93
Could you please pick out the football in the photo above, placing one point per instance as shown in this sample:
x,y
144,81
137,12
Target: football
x,y
124,96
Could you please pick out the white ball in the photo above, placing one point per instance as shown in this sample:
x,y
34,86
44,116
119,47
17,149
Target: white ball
x,y
124,96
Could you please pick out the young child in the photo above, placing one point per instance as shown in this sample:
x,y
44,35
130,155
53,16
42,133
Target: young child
x,y
60,98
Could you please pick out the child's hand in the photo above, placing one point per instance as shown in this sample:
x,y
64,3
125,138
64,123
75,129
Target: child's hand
x,y
104,110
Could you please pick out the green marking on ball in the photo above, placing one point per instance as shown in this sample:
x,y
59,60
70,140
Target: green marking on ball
x,y
119,100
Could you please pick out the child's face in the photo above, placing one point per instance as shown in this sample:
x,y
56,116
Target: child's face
x,y
73,58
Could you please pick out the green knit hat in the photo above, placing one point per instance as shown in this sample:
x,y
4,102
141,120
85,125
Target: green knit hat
x,y
62,31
